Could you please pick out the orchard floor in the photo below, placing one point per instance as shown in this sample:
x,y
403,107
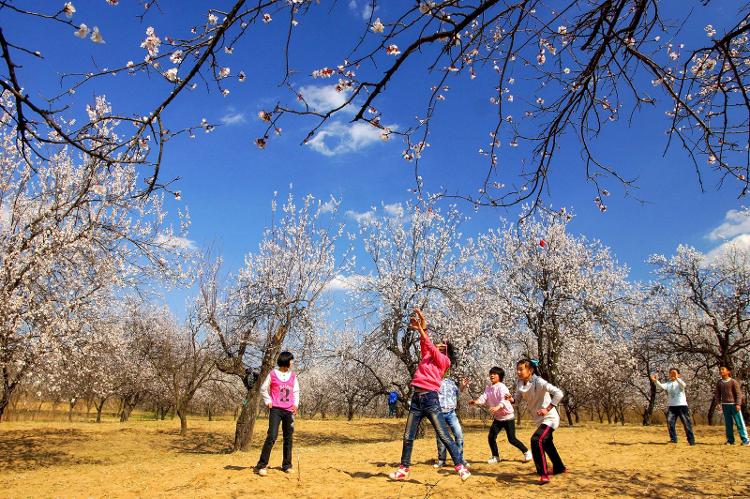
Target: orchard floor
x,y
352,459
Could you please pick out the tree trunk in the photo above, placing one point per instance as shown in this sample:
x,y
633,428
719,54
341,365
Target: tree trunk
x,y
182,413
4,401
568,411
128,404
99,406
72,405
243,433
711,410
648,412
210,414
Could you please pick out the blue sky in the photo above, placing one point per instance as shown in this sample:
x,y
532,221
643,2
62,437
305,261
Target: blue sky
x,y
227,183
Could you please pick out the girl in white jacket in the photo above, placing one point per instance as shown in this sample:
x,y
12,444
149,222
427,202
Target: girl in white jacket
x,y
541,400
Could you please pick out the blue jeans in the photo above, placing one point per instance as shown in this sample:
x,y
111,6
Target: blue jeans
x,y
733,417
451,419
680,411
427,404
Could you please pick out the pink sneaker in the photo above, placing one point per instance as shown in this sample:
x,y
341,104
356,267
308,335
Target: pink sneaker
x,y
400,474
463,472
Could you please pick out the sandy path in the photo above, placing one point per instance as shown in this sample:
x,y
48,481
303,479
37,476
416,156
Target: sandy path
x,y
351,459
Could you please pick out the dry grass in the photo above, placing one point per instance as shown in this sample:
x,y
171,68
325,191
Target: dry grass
x,y
352,459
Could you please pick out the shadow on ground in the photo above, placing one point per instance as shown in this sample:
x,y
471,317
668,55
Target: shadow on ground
x,y
27,450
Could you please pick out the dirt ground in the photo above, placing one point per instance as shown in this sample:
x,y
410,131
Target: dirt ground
x,y
352,459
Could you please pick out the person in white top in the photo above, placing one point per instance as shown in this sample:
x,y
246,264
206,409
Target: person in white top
x,y
541,401
677,405
504,416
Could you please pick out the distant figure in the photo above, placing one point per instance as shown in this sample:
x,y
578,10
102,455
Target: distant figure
x,y
280,391
541,399
729,394
392,399
677,405
504,416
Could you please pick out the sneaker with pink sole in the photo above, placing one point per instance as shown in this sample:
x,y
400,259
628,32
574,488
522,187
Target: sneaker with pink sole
x,y
400,474
463,472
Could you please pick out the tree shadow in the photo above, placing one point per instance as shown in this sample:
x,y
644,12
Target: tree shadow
x,y
201,442
232,467
314,439
616,482
628,444
40,448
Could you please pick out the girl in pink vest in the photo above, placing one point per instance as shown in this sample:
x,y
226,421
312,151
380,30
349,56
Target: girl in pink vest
x,y
280,392
426,403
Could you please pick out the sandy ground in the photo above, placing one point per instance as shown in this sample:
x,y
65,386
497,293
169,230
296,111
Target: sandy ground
x,y
352,459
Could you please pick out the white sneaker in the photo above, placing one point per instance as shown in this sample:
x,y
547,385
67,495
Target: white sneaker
x,y
527,456
263,471
463,472
289,470
439,464
493,460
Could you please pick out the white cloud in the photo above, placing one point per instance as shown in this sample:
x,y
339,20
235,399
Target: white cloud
x,y
233,118
394,210
353,5
362,217
736,222
339,138
175,241
367,11
734,231
324,98
739,243
343,282
330,206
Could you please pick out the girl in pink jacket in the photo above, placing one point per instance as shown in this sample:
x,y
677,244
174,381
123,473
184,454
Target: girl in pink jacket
x,y
425,402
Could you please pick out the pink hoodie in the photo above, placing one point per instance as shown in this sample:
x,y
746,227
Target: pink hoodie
x,y
431,368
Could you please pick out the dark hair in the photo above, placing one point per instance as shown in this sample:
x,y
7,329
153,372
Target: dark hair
x,y
499,371
725,367
532,364
285,358
674,369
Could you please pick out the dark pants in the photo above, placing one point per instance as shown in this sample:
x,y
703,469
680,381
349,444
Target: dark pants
x,y
510,430
680,411
427,404
286,418
541,443
392,410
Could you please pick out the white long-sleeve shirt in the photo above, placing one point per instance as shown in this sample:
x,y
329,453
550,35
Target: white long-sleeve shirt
x,y
265,388
675,391
539,393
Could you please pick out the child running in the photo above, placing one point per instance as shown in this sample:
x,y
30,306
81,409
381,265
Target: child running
x,y
425,402
448,396
504,417
280,391
541,400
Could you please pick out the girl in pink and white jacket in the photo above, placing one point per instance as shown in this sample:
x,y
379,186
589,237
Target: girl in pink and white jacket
x,y
494,397
280,391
